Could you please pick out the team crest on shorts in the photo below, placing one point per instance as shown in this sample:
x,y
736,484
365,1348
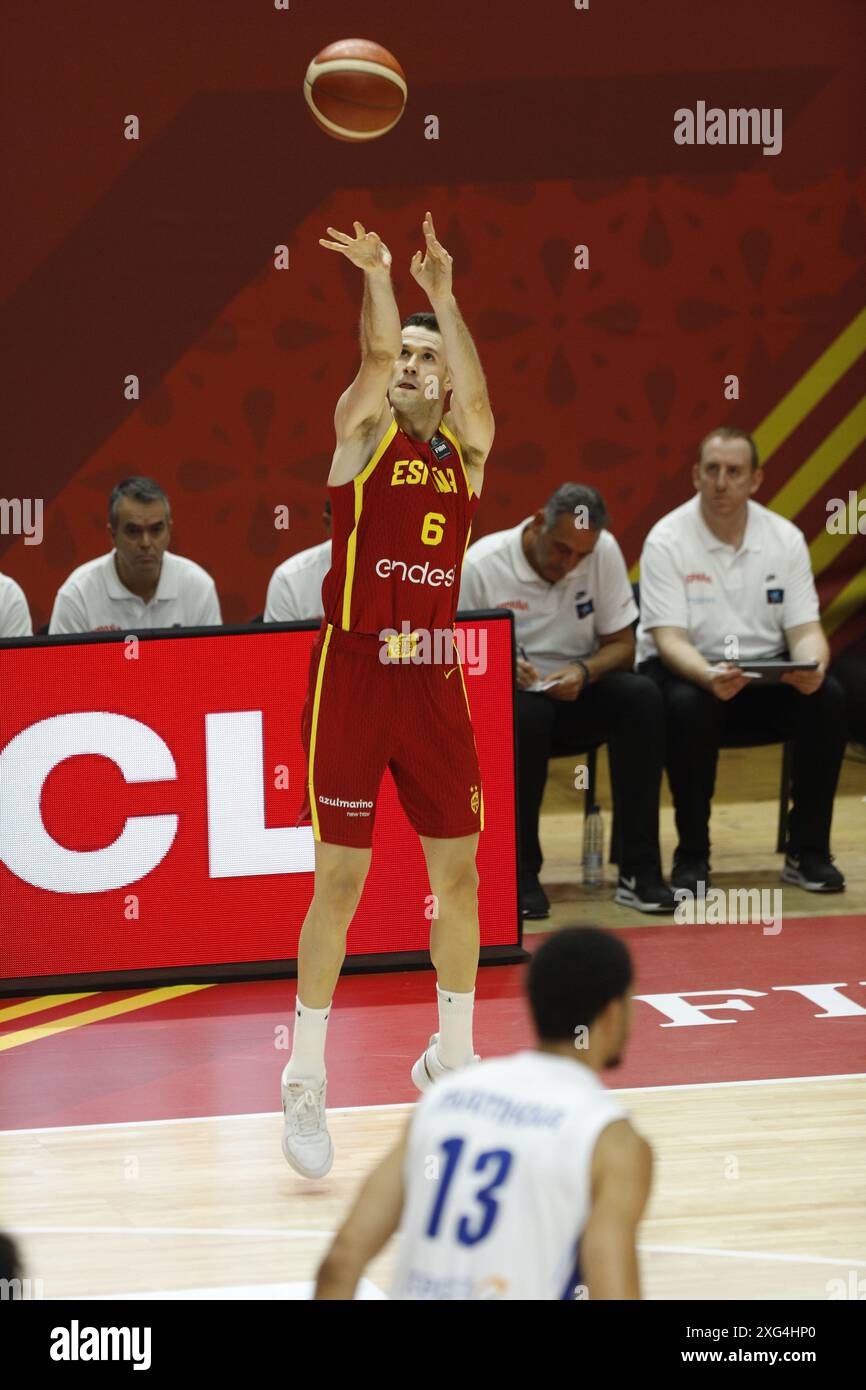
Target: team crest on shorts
x,y
474,800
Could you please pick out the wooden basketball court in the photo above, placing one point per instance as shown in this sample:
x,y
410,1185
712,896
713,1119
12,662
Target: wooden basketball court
x,y
760,1186
759,1194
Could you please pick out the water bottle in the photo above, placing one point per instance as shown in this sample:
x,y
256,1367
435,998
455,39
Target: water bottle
x,y
593,848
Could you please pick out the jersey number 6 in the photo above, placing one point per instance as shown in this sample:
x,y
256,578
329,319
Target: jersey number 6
x,y
432,528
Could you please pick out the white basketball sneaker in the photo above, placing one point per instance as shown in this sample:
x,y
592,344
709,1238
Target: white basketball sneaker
x,y
306,1141
428,1068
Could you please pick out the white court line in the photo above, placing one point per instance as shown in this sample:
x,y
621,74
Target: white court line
x,y
405,1104
291,1234
753,1255
202,1119
757,1081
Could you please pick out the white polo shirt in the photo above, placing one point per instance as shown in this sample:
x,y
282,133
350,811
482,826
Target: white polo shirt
x,y
14,613
691,579
554,623
295,590
93,599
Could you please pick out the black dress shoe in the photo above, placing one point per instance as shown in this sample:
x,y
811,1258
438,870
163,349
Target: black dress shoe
x,y
536,904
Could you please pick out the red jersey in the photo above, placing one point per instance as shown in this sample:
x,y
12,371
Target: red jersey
x,y
400,531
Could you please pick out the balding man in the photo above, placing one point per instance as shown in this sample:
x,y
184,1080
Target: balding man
x,y
562,574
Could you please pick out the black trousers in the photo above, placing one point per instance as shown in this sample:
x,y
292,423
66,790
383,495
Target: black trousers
x,y
697,725
621,709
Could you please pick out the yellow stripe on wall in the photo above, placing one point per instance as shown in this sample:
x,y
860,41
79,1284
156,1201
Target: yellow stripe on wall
x,y
120,1006
784,418
812,387
313,730
831,453
828,544
846,603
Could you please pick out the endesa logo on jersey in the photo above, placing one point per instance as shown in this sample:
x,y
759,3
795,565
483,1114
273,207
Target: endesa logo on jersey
x,y
150,796
416,574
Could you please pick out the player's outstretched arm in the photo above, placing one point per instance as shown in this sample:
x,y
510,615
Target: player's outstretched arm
x,y
370,1224
361,404
470,403
621,1180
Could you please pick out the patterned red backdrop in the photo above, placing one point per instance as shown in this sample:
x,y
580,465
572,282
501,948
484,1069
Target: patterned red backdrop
x,y
556,126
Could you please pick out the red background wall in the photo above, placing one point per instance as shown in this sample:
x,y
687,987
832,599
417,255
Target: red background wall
x,y
556,128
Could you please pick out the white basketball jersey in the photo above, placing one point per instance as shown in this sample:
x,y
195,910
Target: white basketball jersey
x,y
497,1180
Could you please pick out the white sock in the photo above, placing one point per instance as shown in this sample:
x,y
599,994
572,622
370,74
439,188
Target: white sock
x,y
455,1027
308,1043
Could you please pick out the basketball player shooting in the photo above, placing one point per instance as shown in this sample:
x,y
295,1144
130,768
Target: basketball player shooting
x,y
404,485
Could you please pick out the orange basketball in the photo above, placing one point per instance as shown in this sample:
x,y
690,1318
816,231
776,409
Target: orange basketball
x,y
355,89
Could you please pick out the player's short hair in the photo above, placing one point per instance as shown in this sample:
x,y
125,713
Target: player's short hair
x,y
573,977
729,432
423,319
140,490
569,497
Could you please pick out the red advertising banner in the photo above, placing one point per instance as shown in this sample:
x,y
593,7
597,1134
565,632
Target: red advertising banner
x,y
149,790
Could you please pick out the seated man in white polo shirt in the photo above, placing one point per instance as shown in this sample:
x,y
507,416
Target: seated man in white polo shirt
x,y
14,614
139,584
563,576
295,590
721,576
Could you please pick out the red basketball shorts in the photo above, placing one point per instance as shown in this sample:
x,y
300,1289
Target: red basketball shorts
x,y
362,715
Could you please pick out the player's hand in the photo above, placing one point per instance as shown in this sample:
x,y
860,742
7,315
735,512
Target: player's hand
x,y
433,272
526,673
807,682
365,250
570,681
728,682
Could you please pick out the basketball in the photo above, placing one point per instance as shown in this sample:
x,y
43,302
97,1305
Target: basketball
x,y
355,89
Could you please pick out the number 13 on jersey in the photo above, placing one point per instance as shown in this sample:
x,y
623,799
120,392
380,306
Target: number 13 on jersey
x,y
494,1165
